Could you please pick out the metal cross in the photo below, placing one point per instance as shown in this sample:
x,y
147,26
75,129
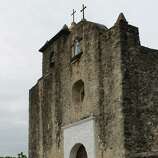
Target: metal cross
x,y
73,14
83,8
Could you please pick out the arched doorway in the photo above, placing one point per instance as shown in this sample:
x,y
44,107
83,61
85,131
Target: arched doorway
x,y
78,151
81,153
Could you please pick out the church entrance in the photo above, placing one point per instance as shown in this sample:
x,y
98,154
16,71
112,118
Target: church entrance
x,y
81,153
78,151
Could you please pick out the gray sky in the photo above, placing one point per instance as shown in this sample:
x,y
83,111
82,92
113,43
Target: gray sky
x,y
25,25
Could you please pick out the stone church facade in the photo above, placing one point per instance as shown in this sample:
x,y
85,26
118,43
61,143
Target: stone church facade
x,y
98,95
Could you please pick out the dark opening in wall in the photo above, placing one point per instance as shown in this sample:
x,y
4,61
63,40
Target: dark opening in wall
x,y
78,92
51,59
78,151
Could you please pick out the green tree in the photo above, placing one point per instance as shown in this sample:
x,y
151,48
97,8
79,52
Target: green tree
x,y
21,155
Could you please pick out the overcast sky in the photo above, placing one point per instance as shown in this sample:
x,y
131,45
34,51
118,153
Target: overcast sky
x,y
25,25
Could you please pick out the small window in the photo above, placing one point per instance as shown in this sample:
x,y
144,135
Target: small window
x,y
51,59
77,49
78,92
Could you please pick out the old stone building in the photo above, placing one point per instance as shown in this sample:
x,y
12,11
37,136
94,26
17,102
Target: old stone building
x,y
98,95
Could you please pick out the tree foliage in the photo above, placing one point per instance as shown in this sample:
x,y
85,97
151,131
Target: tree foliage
x,y
20,155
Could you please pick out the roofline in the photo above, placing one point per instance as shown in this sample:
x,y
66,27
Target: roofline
x,y
48,43
65,31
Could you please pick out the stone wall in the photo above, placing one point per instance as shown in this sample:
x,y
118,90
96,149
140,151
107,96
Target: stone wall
x,y
99,68
35,121
140,95
120,91
110,99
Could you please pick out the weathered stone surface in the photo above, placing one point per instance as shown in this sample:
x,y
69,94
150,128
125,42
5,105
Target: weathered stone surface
x,y
120,86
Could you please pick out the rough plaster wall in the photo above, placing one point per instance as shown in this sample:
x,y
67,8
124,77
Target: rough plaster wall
x,y
142,102
140,95
125,108
110,104
99,68
52,109
47,114
35,121
84,69
148,100
45,61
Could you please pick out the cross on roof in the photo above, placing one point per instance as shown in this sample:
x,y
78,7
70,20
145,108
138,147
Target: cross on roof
x,y
83,8
73,14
